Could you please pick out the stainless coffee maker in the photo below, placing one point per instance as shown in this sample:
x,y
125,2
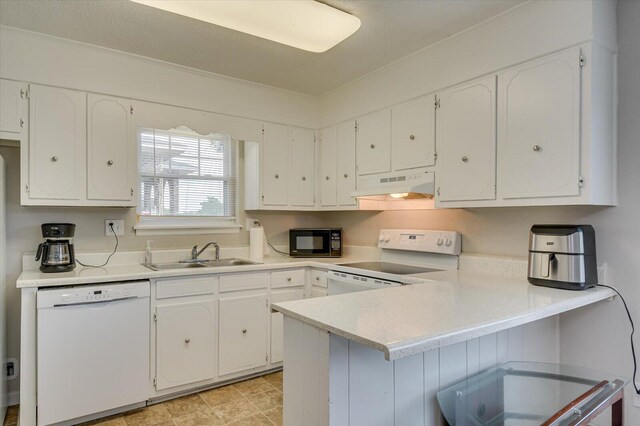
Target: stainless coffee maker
x,y
563,256
56,254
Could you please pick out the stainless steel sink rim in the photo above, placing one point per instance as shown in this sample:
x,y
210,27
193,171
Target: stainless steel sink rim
x,y
200,264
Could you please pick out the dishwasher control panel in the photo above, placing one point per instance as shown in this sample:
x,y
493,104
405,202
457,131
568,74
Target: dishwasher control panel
x,y
85,294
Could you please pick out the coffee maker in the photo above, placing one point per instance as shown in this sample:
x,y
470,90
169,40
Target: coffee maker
x,y
56,253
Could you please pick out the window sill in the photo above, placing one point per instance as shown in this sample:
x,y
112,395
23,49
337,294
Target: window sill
x,y
148,226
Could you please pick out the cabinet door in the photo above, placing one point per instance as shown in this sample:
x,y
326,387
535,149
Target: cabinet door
x,y
275,161
277,320
185,343
466,138
303,167
12,106
243,333
328,167
346,163
111,163
57,143
373,142
413,133
539,121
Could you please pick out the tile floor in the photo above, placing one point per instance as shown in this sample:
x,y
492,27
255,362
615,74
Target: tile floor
x,y
254,402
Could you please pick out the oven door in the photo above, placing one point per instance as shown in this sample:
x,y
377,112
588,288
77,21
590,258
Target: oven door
x,y
340,283
309,243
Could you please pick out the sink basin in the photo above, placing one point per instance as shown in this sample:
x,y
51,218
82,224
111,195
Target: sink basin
x,y
174,265
203,264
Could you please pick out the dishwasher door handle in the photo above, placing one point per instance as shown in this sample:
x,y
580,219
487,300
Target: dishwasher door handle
x,y
62,305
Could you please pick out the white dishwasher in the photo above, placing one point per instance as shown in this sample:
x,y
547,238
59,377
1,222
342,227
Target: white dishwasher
x,y
93,350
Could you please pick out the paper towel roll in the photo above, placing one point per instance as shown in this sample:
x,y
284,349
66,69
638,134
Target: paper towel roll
x,y
256,243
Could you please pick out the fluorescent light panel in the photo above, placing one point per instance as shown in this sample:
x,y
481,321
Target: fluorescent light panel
x,y
304,24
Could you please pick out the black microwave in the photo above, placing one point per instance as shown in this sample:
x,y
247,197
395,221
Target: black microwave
x,y
315,242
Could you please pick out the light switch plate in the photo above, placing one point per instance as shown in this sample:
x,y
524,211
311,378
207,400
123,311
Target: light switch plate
x,y
118,227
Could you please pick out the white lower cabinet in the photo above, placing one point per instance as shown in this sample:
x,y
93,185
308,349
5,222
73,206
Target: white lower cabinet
x,y
185,342
277,320
243,333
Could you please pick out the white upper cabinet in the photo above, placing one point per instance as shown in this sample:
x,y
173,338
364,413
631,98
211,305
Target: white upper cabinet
x,y
303,166
466,138
111,149
346,164
13,109
57,144
275,163
243,333
539,127
413,134
328,155
373,143
185,340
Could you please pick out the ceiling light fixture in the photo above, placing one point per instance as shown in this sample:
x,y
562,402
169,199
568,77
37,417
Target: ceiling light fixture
x,y
304,24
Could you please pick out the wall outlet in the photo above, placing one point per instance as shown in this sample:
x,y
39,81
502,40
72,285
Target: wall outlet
x,y
11,366
118,227
250,223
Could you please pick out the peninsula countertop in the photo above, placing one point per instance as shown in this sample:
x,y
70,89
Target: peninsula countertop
x,y
446,308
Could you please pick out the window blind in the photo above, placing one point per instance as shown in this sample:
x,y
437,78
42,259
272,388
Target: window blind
x,y
184,174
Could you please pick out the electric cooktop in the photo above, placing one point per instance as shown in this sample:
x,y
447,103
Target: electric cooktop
x,y
389,268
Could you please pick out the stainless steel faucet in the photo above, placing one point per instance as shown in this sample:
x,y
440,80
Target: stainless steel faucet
x,y
195,253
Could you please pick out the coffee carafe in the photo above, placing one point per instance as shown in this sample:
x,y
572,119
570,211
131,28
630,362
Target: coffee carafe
x,y
56,253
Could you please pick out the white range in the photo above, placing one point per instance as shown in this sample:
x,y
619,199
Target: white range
x,y
404,252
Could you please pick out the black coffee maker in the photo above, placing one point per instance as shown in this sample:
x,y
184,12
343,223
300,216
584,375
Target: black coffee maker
x,y
56,253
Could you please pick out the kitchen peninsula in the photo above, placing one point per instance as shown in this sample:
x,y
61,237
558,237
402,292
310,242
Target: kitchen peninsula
x,y
380,356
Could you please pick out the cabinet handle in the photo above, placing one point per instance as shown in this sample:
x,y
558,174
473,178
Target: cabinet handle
x,y
244,331
110,163
326,177
187,340
289,279
54,158
372,146
537,148
304,178
277,176
412,137
317,278
346,175
465,158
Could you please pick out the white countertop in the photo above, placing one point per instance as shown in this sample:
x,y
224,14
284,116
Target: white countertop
x,y
132,272
447,308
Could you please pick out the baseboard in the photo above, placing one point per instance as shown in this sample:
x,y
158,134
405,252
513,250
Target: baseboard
x,y
13,398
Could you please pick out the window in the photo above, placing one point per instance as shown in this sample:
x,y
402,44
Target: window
x,y
187,181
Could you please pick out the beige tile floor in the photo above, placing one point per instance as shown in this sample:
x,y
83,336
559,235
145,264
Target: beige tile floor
x,y
253,402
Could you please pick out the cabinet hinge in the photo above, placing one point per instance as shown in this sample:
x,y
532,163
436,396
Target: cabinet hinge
x,y
435,155
356,126
26,188
24,94
436,102
266,357
580,182
21,122
155,317
132,192
263,130
438,191
155,382
131,109
581,61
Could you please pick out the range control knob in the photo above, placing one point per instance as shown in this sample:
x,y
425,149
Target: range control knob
x,y
440,242
448,242
387,239
381,238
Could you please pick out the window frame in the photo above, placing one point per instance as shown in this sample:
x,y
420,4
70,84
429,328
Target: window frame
x,y
148,225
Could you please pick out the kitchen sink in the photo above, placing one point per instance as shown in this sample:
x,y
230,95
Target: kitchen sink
x,y
200,264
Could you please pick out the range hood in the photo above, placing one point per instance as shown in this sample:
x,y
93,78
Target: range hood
x,y
416,181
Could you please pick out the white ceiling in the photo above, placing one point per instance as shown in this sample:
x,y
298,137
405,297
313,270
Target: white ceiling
x,y
390,30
